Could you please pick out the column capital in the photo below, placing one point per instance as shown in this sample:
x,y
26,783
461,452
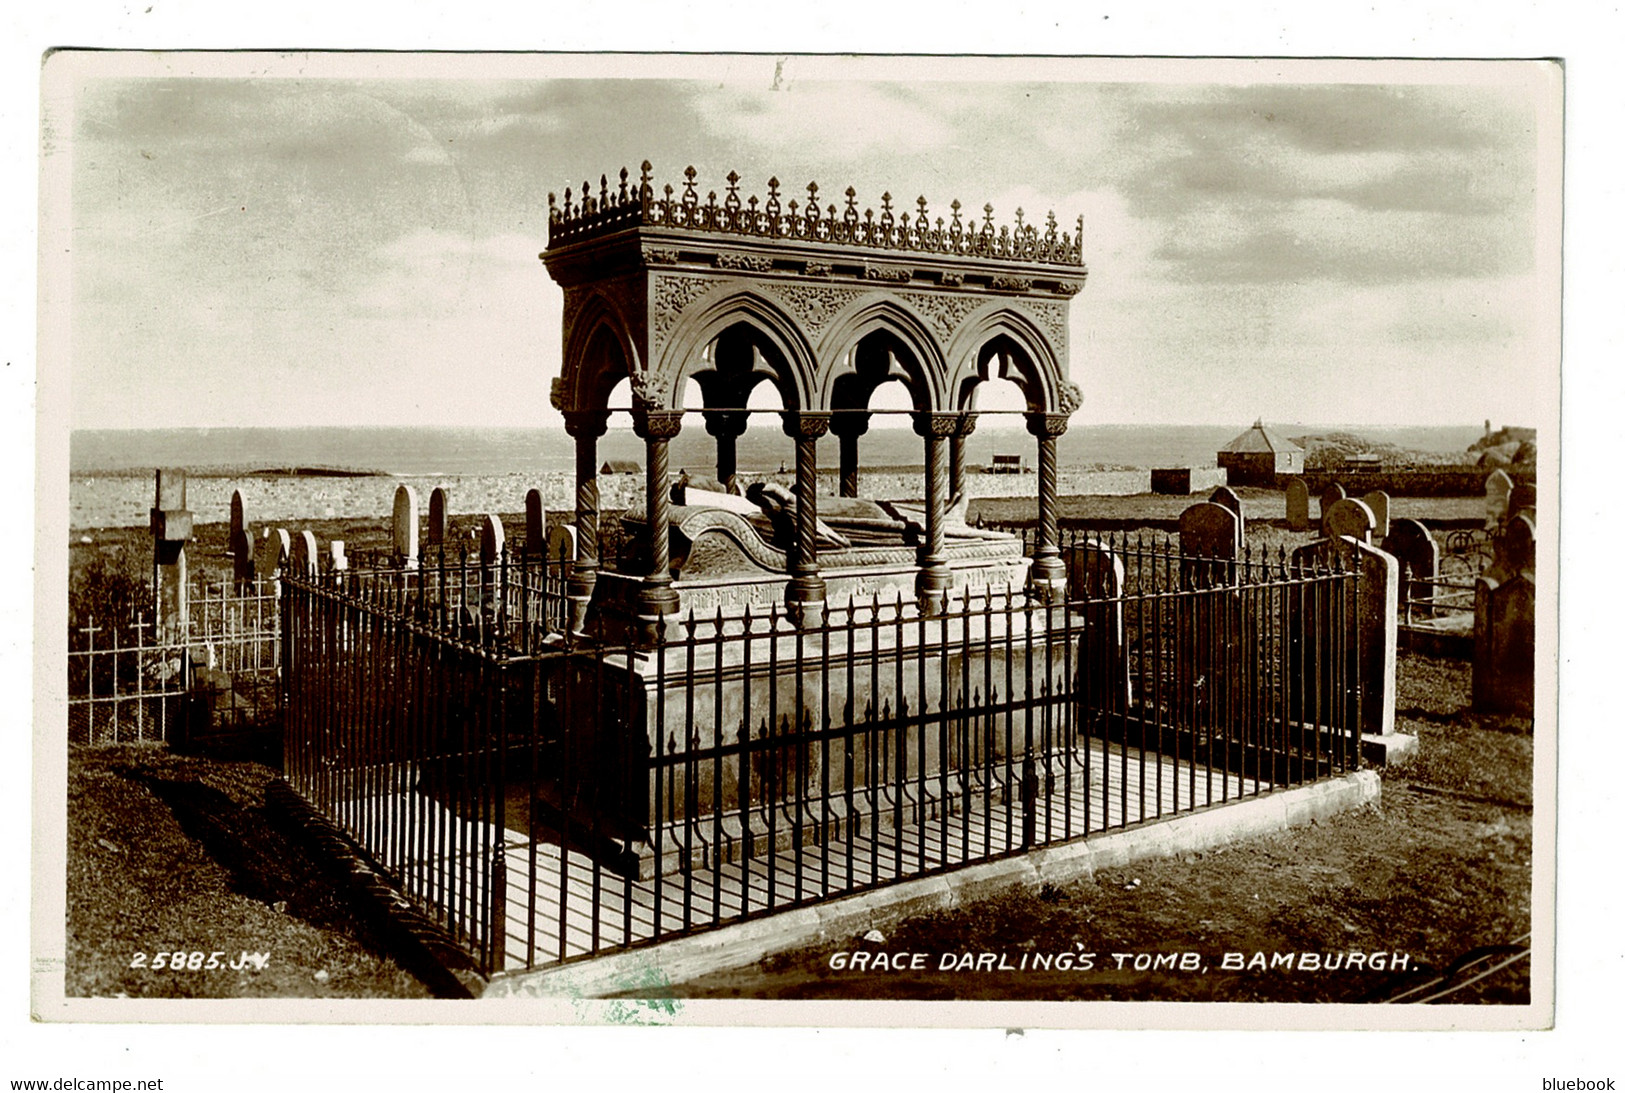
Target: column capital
x,y
853,423
586,424
1047,425
657,424
805,424
725,423
967,423
938,425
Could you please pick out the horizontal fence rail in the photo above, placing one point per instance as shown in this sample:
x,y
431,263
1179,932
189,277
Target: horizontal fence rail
x,y
549,796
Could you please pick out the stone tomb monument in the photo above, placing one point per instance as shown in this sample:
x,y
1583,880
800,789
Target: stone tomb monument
x,y
730,294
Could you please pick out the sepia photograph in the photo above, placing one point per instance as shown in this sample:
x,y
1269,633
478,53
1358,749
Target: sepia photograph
x,y
797,539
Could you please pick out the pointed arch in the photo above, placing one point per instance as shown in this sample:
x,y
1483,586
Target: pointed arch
x,y
784,356
882,323
1012,335
599,352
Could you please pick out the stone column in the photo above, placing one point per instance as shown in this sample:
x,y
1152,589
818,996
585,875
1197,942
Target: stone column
x,y
806,594
658,598
1048,574
726,426
935,577
849,426
586,426
956,454
171,523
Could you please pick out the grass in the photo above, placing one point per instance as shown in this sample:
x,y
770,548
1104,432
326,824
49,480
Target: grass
x,y
1442,867
168,854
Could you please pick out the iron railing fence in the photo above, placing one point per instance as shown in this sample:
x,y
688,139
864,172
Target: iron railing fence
x,y
550,796
130,680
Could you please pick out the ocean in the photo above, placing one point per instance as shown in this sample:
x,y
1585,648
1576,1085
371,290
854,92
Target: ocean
x,y
490,469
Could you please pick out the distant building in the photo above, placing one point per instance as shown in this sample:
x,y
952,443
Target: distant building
x,y
620,466
1257,456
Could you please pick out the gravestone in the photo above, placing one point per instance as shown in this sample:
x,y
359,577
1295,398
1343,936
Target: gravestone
x,y
1351,518
1373,611
239,521
1095,581
171,530
337,562
535,523
1521,501
1227,497
1377,502
404,527
1329,496
272,554
242,559
491,541
1208,531
561,545
305,555
1497,493
1297,505
1412,544
439,517
1504,625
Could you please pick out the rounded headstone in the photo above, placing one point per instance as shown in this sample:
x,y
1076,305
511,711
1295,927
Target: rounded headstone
x,y
305,553
1209,530
404,525
1227,497
439,516
238,520
1516,553
242,555
1497,493
535,522
561,544
1297,505
1351,518
491,540
1377,502
272,554
1522,500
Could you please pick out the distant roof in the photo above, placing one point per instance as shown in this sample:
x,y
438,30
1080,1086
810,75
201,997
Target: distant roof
x,y
1260,439
620,466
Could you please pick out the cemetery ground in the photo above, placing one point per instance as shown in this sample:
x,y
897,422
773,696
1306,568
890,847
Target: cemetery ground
x,y
169,852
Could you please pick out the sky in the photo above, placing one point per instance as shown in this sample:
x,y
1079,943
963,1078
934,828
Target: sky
x,y
262,240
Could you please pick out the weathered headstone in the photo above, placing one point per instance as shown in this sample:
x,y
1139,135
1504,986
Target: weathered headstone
x,y
337,562
1297,505
404,526
305,557
1329,496
439,517
491,541
1228,497
273,553
1208,531
1521,501
561,544
1377,502
1412,544
242,559
1497,493
239,521
1351,518
1504,625
1373,611
1096,578
535,523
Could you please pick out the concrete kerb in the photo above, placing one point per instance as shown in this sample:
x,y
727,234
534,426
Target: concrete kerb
x,y
747,943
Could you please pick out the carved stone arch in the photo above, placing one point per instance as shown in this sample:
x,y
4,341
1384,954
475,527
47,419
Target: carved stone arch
x,y
599,352
785,353
921,360
1035,364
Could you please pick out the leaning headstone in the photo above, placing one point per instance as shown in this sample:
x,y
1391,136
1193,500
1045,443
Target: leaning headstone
x,y
491,541
1297,505
306,555
1497,493
1329,496
405,526
535,523
1377,502
1521,500
1504,625
1413,545
439,517
337,562
1351,518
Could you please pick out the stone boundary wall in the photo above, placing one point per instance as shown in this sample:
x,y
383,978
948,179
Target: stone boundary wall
x,y
1419,481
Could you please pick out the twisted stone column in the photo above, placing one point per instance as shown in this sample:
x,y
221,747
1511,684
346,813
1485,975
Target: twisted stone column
x,y
586,426
956,454
806,593
849,426
935,577
1048,574
658,598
